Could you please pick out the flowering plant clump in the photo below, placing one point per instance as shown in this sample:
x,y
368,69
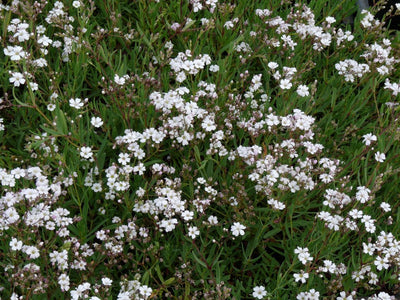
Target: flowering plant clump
x,y
198,150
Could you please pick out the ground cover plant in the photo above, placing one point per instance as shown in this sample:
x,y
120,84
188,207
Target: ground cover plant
x,y
198,150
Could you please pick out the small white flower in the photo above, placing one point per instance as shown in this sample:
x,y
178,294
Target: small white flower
x,y
63,281
302,276
15,244
106,281
237,229
385,206
214,68
96,187
380,157
145,291
213,220
369,138
302,91
187,215
175,26
34,86
51,107
259,292
96,122
272,65
124,158
86,152
76,103
76,4
228,25
119,80
193,232
15,53
381,263
330,20
169,225
32,252
285,84
17,79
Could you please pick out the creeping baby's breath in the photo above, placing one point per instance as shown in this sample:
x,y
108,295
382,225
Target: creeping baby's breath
x,y
198,149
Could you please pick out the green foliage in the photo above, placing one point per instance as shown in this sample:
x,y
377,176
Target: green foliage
x,y
117,59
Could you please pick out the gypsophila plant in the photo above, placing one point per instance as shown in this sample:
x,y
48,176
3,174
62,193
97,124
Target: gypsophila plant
x,y
198,149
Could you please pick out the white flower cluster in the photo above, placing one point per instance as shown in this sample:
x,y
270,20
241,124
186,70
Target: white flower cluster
x,y
37,209
133,289
198,5
351,69
394,87
243,47
269,174
182,65
303,255
336,222
19,30
368,20
378,56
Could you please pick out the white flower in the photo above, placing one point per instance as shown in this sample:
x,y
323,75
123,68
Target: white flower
x,y
169,45
193,232
214,68
63,281
302,276
302,91
96,122
106,281
213,220
237,229
76,4
86,152
34,86
362,194
369,138
145,291
380,157
119,80
181,76
229,25
385,206
285,84
208,124
272,65
381,263
187,215
97,187
384,296
330,20
17,79
15,53
259,292
76,103
175,26
15,244
124,158
31,251
276,204
303,255
169,225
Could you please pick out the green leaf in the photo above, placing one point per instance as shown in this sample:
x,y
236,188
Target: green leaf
x,y
61,122
199,261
